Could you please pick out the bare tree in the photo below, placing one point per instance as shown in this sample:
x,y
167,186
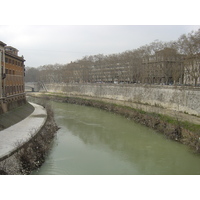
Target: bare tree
x,y
157,62
31,74
189,45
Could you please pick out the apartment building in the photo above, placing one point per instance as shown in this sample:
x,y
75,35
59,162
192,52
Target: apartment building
x,y
164,67
11,76
192,70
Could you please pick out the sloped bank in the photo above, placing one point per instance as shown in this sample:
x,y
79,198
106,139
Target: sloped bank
x,y
31,155
183,132
175,98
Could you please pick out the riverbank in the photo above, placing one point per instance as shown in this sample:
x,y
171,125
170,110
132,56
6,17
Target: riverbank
x,y
175,128
25,144
172,98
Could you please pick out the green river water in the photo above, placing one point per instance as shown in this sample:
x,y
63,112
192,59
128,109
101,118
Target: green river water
x,y
91,141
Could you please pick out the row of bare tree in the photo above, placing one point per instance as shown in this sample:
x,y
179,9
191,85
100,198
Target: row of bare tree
x,y
155,62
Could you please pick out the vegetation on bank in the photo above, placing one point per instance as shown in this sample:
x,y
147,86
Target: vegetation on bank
x,y
31,155
180,131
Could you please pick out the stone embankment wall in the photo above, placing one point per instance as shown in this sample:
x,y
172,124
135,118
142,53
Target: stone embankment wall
x,y
177,98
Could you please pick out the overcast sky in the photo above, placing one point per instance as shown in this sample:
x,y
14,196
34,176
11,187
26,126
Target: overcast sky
x,y
49,32
62,44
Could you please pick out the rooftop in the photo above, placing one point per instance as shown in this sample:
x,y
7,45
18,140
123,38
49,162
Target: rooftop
x,y
2,43
11,48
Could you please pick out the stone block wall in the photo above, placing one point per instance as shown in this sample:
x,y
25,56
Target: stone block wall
x,y
177,98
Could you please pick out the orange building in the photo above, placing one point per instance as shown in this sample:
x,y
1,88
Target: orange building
x,y
11,77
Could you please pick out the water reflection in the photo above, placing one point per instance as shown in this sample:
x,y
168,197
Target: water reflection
x,y
92,141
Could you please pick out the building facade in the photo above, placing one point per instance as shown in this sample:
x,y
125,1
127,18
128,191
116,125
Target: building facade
x,y
164,67
12,88
192,70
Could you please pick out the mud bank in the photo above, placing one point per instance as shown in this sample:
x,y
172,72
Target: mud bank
x,y
32,154
180,131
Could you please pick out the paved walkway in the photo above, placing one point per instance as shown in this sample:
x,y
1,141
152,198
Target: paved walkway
x,y
21,132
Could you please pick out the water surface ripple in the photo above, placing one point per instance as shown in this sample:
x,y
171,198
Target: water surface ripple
x,y
93,141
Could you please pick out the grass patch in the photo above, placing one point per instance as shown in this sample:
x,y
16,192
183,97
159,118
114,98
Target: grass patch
x,y
184,124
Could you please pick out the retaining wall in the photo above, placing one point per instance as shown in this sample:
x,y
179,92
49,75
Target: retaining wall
x,y
184,99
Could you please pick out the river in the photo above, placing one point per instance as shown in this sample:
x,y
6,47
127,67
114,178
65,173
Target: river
x,y
91,141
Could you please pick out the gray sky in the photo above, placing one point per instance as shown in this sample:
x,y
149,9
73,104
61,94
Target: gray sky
x,y
62,44
49,32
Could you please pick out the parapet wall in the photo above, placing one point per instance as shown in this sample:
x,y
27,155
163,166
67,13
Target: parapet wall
x,y
182,99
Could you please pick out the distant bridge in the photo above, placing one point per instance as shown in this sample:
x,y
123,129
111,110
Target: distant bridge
x,y
34,86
